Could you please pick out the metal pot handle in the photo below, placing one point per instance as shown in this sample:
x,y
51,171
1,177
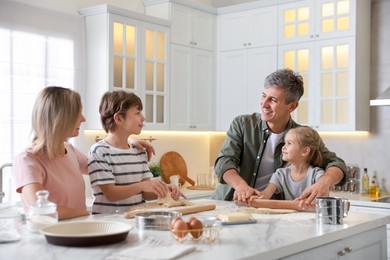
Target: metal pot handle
x,y
346,206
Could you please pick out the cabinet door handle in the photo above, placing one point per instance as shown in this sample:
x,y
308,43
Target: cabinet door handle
x,y
342,252
195,43
244,44
249,43
191,42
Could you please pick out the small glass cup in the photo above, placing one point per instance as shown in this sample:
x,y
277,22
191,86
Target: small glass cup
x,y
175,180
11,223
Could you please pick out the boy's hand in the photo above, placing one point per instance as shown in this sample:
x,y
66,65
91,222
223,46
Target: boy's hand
x,y
175,192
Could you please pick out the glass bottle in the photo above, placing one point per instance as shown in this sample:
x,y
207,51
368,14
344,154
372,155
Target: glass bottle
x,y
365,182
374,189
42,212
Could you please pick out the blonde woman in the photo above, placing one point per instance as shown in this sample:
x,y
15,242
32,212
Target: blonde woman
x,y
50,162
302,152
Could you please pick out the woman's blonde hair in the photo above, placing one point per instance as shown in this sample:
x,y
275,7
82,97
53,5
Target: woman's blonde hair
x,y
54,117
308,137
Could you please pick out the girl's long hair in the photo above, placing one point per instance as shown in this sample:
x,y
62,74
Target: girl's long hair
x,y
54,117
308,137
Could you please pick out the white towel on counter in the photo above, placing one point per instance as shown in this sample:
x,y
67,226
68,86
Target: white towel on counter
x,y
153,249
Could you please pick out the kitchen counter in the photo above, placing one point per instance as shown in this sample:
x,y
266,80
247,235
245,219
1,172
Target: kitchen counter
x,y
360,200
272,237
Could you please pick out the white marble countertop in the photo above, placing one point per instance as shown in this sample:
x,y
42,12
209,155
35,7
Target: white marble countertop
x,y
272,237
357,199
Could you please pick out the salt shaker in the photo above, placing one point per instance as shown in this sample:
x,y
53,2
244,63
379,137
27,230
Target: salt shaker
x,y
42,212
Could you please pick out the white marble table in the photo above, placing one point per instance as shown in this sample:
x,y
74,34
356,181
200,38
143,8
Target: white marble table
x,y
272,237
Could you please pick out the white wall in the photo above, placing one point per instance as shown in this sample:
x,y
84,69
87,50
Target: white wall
x,y
371,152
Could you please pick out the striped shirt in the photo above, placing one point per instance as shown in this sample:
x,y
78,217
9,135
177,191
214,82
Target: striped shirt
x,y
107,165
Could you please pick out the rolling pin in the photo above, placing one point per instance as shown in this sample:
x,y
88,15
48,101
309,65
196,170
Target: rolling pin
x,y
184,210
278,204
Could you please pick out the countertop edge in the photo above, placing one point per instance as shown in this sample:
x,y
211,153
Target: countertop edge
x,y
300,246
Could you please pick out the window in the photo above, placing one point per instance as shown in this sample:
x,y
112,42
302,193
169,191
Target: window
x,y
28,62
37,49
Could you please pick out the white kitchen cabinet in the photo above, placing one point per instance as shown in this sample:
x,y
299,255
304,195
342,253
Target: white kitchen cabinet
x,y
248,29
127,51
192,92
376,209
317,19
366,245
192,23
241,81
192,28
192,88
328,43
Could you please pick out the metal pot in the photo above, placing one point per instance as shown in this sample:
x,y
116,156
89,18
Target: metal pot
x,y
156,220
331,210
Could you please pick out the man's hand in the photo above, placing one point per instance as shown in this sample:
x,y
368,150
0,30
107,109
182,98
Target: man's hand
x,y
332,176
143,145
243,193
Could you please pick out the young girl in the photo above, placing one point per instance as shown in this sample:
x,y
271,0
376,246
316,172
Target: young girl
x,y
119,173
50,162
302,152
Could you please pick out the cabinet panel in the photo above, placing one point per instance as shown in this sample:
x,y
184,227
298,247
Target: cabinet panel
x,y
241,80
248,29
192,27
366,245
192,89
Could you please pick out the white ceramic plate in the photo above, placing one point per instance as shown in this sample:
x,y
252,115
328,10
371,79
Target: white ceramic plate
x,y
86,233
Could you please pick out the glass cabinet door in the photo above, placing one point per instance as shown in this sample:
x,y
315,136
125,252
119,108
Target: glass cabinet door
x,y
327,69
316,20
124,56
155,81
300,58
336,97
139,65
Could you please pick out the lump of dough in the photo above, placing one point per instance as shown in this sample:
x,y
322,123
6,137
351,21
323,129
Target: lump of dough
x,y
169,202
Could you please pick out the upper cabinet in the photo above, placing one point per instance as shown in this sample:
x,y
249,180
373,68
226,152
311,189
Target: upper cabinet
x,y
328,43
248,29
127,51
320,19
247,53
192,92
192,28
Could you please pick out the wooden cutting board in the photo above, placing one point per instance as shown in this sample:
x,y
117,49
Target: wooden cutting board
x,y
183,209
172,163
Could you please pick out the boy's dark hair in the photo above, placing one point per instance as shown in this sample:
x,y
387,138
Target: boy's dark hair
x,y
116,102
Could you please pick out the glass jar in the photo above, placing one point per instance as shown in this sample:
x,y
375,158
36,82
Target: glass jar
x,y
11,223
42,212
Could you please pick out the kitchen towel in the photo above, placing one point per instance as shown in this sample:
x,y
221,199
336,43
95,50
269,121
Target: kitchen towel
x,y
153,249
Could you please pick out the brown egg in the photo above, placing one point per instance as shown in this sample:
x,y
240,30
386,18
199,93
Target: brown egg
x,y
180,228
196,227
174,221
